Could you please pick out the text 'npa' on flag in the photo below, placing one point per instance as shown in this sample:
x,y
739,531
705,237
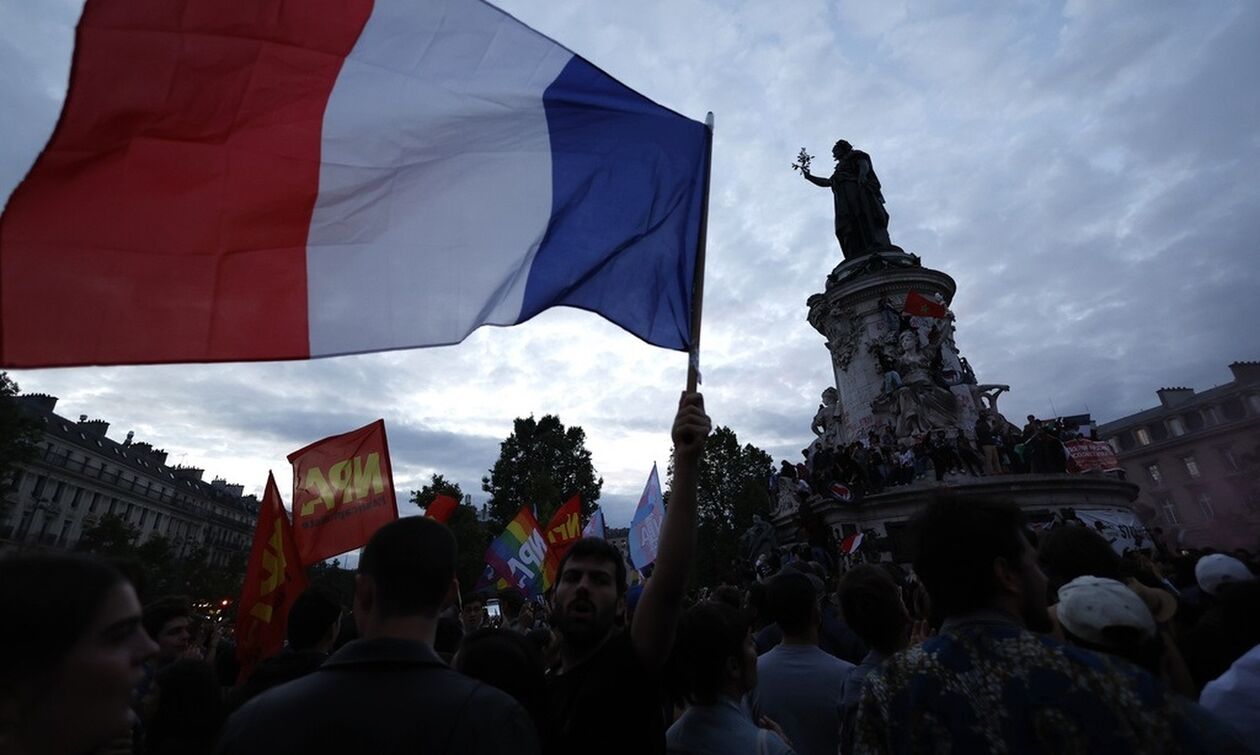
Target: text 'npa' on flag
x,y
521,556
343,492
565,527
263,179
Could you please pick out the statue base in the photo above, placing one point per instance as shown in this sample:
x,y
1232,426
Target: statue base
x,y
900,379
883,519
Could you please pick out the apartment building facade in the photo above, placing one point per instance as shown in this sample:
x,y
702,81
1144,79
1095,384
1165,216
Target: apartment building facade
x,y
1196,458
80,475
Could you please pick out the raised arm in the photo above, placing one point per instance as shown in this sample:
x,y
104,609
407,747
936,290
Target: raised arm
x,y
656,617
815,179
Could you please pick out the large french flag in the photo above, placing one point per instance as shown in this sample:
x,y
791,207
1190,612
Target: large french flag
x,y
270,179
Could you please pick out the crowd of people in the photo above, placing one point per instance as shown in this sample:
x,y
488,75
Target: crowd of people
x,y
997,639
992,446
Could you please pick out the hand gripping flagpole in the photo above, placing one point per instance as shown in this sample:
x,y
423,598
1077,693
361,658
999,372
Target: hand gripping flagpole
x,y
697,285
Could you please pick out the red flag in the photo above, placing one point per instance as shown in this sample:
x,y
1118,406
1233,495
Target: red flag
x,y
441,508
273,580
343,491
921,306
565,527
1090,456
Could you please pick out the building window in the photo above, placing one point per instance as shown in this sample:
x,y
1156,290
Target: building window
x,y
1169,508
96,497
40,483
1212,416
1234,409
144,517
1192,466
1153,471
1143,436
1176,426
74,499
1229,460
1205,505
1254,400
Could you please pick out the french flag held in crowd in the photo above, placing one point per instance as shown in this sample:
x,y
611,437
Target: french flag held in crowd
x,y
259,179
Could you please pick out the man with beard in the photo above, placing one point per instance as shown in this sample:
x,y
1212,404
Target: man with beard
x,y
606,696
986,682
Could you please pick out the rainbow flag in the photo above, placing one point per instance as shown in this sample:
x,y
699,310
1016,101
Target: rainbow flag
x,y
521,556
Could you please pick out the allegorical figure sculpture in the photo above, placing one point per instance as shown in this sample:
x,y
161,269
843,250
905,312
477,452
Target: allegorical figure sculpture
x,y
758,539
861,221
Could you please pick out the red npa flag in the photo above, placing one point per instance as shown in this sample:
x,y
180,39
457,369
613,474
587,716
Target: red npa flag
x,y
921,306
343,491
273,580
565,527
441,508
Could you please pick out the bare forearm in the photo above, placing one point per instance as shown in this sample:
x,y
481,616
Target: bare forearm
x,y
678,535
653,629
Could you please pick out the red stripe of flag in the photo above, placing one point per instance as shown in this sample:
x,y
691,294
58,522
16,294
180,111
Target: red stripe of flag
x,y
183,170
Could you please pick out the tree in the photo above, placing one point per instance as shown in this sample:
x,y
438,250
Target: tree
x,y
732,488
111,537
543,464
471,537
438,485
19,432
157,557
334,580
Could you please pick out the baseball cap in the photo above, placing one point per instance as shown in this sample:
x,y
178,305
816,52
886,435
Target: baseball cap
x,y
1090,606
1217,569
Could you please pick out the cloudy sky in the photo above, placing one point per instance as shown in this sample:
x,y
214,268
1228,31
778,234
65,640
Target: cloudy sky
x,y
1086,171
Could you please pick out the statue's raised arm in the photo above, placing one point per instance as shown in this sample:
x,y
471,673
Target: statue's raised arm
x,y
861,221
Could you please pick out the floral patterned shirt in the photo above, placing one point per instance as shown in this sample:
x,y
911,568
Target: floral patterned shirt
x,y
987,685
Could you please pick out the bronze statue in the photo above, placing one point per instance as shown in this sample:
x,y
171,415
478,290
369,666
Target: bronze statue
x,y
861,221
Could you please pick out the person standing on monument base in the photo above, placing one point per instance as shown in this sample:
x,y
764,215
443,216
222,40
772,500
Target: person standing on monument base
x,y
861,221
606,696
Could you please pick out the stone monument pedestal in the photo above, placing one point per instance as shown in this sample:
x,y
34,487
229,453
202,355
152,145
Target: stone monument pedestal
x,y
899,377
883,518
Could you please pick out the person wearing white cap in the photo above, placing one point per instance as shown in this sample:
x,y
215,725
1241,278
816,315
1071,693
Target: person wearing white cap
x,y
1105,615
1216,570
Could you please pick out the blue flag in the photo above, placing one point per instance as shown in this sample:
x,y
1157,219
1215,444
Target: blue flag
x,y
645,528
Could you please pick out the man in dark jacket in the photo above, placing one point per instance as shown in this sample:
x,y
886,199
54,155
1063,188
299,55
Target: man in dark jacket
x,y
388,692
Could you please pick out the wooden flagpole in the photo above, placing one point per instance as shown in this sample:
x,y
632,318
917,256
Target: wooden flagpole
x,y
697,285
